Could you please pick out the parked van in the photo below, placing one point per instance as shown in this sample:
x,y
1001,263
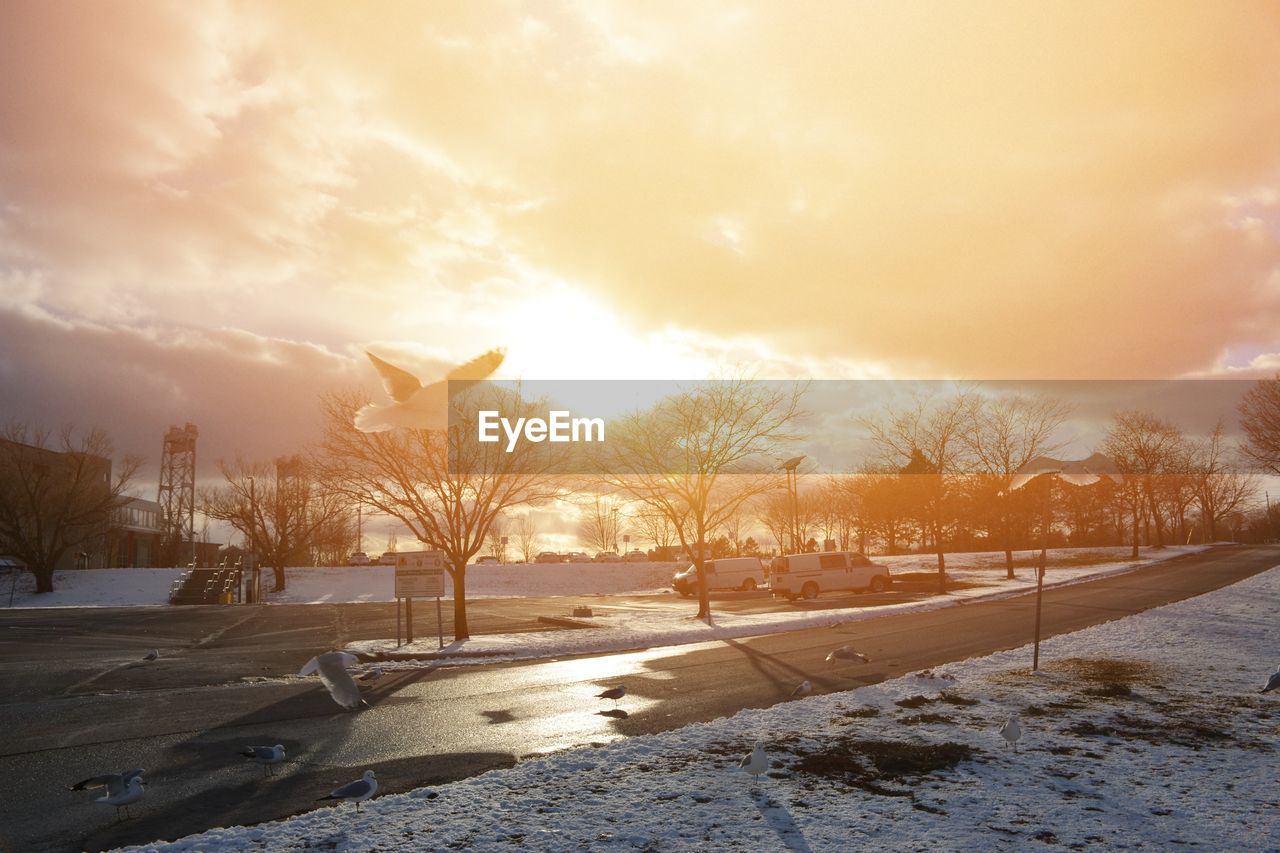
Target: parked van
x,y
808,575
744,573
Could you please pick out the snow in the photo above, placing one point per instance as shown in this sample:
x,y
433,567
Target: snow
x,y
1145,731
93,588
634,627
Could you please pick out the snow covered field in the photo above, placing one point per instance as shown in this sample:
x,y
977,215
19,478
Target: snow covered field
x,y
138,587
1145,732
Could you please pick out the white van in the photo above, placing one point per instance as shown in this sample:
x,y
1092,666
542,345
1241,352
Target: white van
x,y
744,573
808,575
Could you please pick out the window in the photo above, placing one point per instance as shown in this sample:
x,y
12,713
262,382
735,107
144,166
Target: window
x,y
832,561
858,560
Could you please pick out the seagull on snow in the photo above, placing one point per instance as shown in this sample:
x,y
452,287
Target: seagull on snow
x,y
1011,731
265,755
419,406
332,668
804,688
357,792
755,762
1273,682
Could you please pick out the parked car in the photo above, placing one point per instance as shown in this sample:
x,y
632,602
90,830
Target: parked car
x,y
744,573
358,558
577,557
636,556
809,575
548,557
485,558
608,557
388,558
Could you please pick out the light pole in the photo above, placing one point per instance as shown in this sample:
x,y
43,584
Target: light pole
x,y
253,538
1080,472
793,500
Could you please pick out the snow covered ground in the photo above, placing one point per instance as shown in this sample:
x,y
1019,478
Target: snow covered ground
x,y
639,628
136,587
1143,732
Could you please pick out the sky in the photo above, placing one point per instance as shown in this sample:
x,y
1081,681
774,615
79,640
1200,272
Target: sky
x,y
208,212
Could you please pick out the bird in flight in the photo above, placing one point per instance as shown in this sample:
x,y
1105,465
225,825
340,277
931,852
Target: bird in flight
x,y
417,406
846,653
332,669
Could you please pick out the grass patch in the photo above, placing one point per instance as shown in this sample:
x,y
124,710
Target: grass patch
x,y
954,699
916,701
917,719
868,764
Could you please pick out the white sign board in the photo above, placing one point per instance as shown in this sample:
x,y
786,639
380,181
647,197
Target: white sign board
x,y
420,574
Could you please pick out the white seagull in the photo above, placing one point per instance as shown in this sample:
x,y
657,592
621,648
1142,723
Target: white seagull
x,y
332,668
846,653
804,688
755,762
132,792
265,755
1011,731
115,783
419,406
1273,682
614,693
357,792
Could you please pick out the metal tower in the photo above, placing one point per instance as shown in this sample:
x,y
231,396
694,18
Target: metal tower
x,y
177,494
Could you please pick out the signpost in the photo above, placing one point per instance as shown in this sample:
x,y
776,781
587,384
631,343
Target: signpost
x,y
419,574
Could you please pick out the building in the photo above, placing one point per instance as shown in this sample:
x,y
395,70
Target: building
x,y
136,532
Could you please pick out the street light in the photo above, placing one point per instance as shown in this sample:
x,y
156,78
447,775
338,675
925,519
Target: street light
x,y
1079,472
793,488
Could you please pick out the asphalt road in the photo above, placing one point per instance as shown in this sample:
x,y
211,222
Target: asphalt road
x,y
71,709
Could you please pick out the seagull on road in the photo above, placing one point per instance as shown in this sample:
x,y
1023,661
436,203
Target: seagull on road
x,y
1011,731
132,792
151,655
756,761
265,755
614,693
804,688
846,653
357,792
1273,682
115,783
419,406
332,668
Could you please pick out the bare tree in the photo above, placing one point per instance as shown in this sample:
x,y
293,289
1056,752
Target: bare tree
x,y
498,533
601,522
1222,487
1260,419
277,507
1145,448
925,441
698,456
1002,435
526,533
57,492
445,486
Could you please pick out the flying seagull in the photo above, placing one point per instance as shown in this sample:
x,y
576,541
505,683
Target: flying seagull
x,y
1011,731
1273,682
332,668
115,783
419,406
804,688
151,655
357,792
756,762
614,693
265,755
132,792
846,653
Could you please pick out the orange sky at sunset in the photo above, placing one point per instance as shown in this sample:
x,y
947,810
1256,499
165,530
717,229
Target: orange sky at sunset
x,y
221,205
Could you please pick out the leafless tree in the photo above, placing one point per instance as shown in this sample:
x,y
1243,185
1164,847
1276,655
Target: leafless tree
x,y
1222,487
57,492
1260,419
1003,434
277,507
526,533
654,526
445,486
1145,448
601,523
925,441
699,455
497,533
